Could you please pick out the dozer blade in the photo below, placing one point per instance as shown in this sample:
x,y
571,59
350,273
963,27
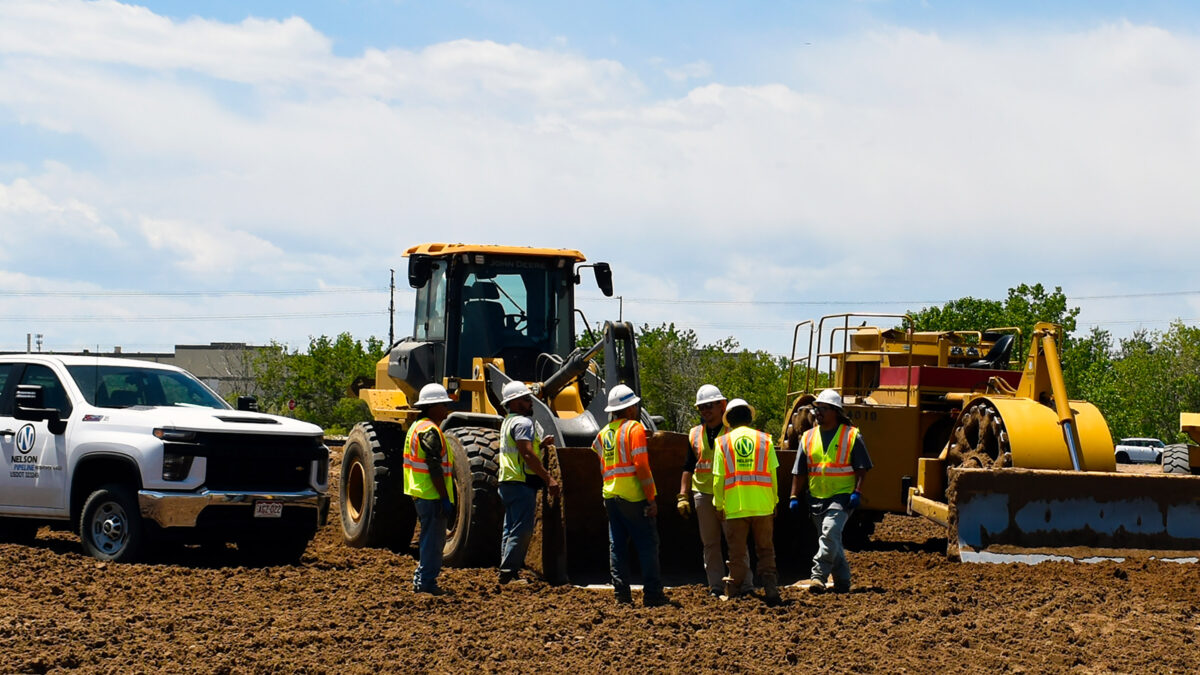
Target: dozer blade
x,y
1030,515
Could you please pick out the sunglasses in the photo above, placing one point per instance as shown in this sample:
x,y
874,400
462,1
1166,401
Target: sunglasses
x,y
823,408
706,406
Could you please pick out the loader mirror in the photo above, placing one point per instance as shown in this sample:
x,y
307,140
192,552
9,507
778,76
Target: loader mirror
x,y
420,268
604,278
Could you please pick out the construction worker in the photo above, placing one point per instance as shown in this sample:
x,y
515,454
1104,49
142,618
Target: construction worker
x,y
830,466
629,497
696,485
745,493
429,480
521,475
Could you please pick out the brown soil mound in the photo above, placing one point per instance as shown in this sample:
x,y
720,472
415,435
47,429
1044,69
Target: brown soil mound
x,y
348,610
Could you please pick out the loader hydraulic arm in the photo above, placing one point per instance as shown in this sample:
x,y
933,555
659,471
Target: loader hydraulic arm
x,y
1058,385
576,363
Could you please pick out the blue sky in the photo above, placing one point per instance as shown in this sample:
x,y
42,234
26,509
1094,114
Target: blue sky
x,y
177,172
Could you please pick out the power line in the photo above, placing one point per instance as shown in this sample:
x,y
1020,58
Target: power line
x,y
174,319
189,294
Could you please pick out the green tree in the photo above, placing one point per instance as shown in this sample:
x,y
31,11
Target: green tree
x,y
318,379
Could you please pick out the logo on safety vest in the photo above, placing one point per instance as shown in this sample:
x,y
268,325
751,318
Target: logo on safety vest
x,y
25,439
744,447
608,438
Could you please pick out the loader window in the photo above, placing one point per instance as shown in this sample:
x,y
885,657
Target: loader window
x,y
511,310
431,305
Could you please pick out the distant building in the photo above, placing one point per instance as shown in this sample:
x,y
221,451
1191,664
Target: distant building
x,y
223,366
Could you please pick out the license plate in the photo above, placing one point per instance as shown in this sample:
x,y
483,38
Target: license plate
x,y
268,509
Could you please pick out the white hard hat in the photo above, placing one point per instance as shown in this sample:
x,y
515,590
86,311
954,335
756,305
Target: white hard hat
x,y
708,393
830,397
620,398
739,403
433,393
513,391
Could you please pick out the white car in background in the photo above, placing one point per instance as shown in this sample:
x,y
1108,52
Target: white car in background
x,y
1131,450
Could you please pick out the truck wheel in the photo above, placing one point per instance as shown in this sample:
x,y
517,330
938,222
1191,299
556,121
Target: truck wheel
x,y
110,526
474,533
1175,459
375,511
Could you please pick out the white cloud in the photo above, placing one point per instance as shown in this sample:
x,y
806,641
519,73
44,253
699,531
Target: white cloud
x,y
895,162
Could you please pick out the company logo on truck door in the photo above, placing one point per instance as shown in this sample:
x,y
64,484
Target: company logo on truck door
x,y
25,438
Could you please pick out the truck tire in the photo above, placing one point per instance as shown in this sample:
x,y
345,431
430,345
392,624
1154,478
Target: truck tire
x,y
375,512
1175,459
473,538
110,525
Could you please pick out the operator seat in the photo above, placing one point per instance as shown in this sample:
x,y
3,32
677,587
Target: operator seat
x,y
997,357
482,322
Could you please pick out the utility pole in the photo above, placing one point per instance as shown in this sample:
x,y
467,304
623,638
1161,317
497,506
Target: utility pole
x,y
620,308
392,311
39,342
28,343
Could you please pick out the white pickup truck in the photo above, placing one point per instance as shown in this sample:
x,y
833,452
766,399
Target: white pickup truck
x,y
126,452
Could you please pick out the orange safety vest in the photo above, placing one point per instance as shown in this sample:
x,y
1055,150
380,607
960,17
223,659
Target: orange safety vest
x,y
417,481
829,470
615,446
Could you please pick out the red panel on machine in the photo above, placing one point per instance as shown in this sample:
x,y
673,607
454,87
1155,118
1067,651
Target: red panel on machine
x,y
959,379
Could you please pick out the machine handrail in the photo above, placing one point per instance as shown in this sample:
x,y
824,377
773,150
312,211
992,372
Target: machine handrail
x,y
907,320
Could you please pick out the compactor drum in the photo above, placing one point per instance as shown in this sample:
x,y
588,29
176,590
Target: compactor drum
x,y
1002,458
486,316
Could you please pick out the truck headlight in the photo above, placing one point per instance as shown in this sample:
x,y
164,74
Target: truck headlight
x,y
176,467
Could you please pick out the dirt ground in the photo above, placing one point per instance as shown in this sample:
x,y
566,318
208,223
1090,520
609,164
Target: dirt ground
x,y
349,610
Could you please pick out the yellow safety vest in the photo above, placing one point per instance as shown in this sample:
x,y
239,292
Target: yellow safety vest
x,y
512,464
615,446
417,481
744,480
702,474
829,469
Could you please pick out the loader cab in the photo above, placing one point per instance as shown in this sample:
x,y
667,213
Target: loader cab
x,y
493,302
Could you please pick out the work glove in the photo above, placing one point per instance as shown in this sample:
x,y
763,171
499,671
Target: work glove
x,y
794,505
447,507
855,500
683,504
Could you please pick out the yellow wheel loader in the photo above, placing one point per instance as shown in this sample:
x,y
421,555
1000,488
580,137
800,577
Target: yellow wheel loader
x,y
485,316
1001,458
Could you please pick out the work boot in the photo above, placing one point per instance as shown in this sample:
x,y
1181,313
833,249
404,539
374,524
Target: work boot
x,y
731,589
841,587
816,586
623,597
657,600
771,588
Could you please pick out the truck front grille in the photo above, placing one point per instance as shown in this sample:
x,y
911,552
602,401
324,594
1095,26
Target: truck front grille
x,y
255,462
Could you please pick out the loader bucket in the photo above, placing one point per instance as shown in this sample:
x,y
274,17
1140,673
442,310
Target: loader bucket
x,y
1027,515
571,540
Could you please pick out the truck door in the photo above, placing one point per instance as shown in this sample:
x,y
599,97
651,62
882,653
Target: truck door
x,y
34,458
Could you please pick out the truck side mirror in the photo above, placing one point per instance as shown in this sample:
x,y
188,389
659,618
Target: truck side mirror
x,y
247,403
420,268
31,407
604,278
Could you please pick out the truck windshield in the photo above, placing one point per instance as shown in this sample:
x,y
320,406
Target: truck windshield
x,y
128,386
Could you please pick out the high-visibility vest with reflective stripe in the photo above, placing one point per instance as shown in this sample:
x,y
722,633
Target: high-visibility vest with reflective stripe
x,y
829,469
512,464
747,473
615,447
417,481
703,449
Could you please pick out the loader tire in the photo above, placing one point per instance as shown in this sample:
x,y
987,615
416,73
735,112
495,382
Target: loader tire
x,y
473,536
1175,459
375,512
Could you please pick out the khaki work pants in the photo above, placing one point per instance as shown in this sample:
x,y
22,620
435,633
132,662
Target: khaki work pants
x,y
711,529
737,532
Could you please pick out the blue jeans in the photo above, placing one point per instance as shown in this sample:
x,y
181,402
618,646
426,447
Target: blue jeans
x,y
430,544
831,557
520,509
628,521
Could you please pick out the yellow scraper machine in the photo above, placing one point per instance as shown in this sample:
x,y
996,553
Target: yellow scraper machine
x,y
1000,457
